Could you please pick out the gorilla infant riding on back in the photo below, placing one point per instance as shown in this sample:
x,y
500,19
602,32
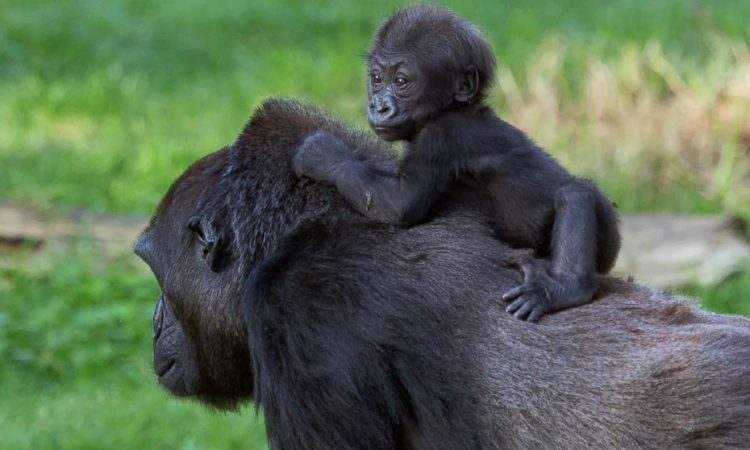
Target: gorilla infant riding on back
x,y
429,73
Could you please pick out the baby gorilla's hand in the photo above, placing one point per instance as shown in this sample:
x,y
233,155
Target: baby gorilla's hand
x,y
544,291
319,155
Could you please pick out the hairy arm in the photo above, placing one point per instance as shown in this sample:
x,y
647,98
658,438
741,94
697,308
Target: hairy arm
x,y
403,197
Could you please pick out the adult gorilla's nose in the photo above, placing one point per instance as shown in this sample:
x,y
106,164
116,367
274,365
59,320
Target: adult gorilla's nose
x,y
158,318
142,246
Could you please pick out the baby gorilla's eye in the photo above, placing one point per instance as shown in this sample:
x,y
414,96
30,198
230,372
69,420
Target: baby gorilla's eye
x,y
400,81
376,79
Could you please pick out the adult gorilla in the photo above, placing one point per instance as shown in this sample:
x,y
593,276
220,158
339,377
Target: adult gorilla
x,y
353,334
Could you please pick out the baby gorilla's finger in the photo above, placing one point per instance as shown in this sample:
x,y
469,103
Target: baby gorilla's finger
x,y
514,293
524,311
535,315
513,307
305,159
528,268
298,166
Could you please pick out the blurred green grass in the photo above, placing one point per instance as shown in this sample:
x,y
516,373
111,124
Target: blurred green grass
x,y
103,104
110,412
99,97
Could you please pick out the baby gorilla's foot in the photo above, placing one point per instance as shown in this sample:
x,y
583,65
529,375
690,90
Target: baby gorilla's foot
x,y
544,291
529,302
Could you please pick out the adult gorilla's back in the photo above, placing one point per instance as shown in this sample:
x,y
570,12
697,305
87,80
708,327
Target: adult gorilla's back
x,y
362,335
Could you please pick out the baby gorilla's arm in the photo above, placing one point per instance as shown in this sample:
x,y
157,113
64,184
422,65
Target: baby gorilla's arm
x,y
403,198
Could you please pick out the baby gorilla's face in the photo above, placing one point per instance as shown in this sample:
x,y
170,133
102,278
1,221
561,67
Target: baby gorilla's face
x,y
394,87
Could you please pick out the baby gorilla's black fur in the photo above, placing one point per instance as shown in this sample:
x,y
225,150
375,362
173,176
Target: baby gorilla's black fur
x,y
429,73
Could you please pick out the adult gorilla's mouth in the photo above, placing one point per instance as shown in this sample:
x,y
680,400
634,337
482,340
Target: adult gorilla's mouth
x,y
172,355
162,367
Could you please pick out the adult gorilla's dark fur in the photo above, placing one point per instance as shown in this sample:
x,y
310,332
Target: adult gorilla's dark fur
x,y
351,334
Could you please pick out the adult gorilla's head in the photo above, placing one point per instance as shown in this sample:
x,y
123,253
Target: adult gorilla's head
x,y
199,336
218,219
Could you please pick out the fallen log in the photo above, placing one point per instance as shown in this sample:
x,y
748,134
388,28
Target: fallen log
x,y
666,250
661,250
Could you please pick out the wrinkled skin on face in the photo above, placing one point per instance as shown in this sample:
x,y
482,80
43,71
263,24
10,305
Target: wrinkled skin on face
x,y
175,358
394,87
424,62
200,344
405,93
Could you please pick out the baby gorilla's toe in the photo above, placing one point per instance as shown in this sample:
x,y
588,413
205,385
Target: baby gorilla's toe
x,y
530,304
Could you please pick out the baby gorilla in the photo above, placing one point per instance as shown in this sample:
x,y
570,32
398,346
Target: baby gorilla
x,y
429,73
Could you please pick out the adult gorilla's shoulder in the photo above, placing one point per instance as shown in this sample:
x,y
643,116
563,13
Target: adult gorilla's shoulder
x,y
362,335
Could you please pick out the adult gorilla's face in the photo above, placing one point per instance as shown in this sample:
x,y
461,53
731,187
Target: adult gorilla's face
x,y
200,340
221,217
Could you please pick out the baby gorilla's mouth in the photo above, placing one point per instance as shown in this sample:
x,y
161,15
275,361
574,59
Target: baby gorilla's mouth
x,y
392,132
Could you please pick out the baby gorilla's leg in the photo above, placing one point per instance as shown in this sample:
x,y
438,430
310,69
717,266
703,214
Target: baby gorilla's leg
x,y
545,291
568,279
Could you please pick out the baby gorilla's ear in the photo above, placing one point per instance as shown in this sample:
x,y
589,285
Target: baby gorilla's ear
x,y
466,85
211,240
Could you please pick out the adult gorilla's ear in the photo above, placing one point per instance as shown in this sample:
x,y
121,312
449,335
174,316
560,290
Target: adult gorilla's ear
x,y
211,241
467,85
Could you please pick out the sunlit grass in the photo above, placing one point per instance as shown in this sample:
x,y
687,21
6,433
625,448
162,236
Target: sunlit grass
x,y
728,297
101,97
683,138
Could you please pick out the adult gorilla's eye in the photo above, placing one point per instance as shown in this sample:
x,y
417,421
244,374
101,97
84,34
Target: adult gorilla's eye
x,y
376,79
400,81
194,226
